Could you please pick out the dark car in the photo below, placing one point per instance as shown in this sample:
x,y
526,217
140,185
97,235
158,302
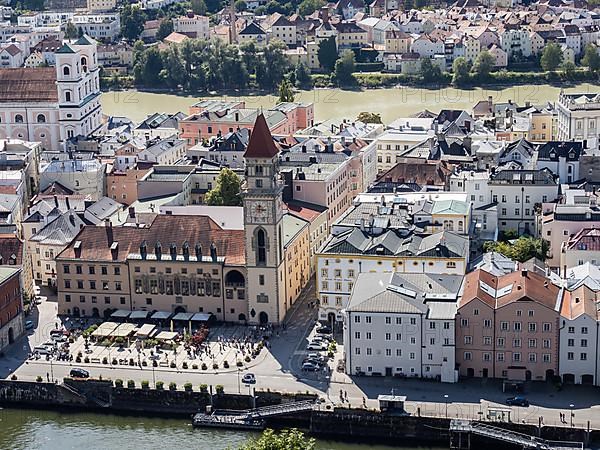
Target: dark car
x,y
324,330
517,401
79,373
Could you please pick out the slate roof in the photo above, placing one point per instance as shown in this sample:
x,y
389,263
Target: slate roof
x,y
554,150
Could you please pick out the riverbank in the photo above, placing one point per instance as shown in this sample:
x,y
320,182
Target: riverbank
x,y
334,423
337,104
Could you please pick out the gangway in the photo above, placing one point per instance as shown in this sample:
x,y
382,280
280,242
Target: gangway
x,y
525,441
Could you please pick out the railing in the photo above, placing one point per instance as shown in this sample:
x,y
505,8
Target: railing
x,y
277,410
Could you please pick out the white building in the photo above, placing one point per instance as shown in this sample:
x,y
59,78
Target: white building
x,y
192,25
402,325
579,118
392,144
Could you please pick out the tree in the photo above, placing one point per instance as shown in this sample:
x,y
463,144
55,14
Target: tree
x,y
484,64
240,6
307,7
344,68
71,31
302,76
164,29
199,7
568,69
132,22
591,58
274,65
327,53
286,92
460,69
226,191
284,440
369,117
552,57
213,6
430,72
522,249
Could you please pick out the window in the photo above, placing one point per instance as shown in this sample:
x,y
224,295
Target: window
x,y
468,340
517,326
532,327
467,356
357,335
547,327
500,342
487,340
369,335
532,343
261,241
368,319
398,336
571,330
464,322
584,342
487,323
570,356
19,118
516,343
41,118
369,351
516,357
66,71
546,357
583,356
532,357
500,357
66,268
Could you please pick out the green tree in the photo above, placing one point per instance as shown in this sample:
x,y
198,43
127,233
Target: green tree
x,y
71,31
198,7
327,54
483,65
568,69
240,6
164,29
274,65
132,22
286,92
522,249
226,191
212,6
284,440
552,57
591,58
307,7
147,70
302,76
430,72
460,71
369,117
344,68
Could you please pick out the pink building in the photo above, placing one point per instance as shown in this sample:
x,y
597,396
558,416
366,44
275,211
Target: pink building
x,y
508,326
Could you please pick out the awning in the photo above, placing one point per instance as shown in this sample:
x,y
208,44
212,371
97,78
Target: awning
x,y
200,317
124,330
166,336
162,315
139,314
183,316
145,330
120,314
105,329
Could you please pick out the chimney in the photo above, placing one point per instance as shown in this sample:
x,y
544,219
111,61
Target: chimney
x,y
132,212
56,201
524,273
77,249
109,231
198,250
67,203
213,252
143,249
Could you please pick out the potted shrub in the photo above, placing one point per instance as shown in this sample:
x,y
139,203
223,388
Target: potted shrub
x,y
118,383
105,360
239,363
39,379
115,362
225,364
160,385
79,354
195,366
172,365
13,377
172,386
145,384
215,366
204,388
78,359
130,384
247,359
204,367
219,388
184,365
154,363
86,360
187,387
131,362
144,363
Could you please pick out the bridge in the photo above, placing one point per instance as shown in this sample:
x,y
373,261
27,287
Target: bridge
x,y
253,419
460,428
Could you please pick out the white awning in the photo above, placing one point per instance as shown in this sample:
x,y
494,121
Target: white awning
x,y
105,329
124,330
145,330
166,336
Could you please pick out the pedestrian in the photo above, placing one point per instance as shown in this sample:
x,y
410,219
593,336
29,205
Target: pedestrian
x,y
48,377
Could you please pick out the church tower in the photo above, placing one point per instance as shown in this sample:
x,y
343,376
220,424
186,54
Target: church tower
x,y
263,212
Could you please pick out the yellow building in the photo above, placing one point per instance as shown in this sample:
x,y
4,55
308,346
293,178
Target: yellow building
x,y
397,41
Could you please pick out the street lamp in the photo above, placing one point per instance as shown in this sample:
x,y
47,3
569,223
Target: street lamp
x,y
572,413
239,387
446,400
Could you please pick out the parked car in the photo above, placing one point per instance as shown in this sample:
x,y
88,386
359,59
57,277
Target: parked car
x,y
517,401
36,290
310,366
324,329
29,325
315,356
316,346
41,350
58,337
79,373
249,378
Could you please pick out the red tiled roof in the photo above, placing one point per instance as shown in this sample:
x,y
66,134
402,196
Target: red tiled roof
x,y
96,242
304,211
28,85
261,143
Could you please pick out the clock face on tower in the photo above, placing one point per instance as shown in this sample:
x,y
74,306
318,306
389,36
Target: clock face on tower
x,y
258,212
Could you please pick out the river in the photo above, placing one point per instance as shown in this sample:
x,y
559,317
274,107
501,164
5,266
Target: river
x,y
47,430
337,104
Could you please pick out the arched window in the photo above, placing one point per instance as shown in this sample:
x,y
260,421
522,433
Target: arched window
x,y
67,96
84,63
19,118
66,71
460,226
261,247
41,118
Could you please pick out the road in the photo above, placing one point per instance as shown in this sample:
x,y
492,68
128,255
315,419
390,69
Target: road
x,y
279,369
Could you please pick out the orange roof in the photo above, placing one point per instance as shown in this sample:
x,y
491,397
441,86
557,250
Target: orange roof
x,y
304,211
578,302
261,143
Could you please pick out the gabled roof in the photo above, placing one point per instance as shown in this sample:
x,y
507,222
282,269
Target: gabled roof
x,y
252,29
65,49
261,143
